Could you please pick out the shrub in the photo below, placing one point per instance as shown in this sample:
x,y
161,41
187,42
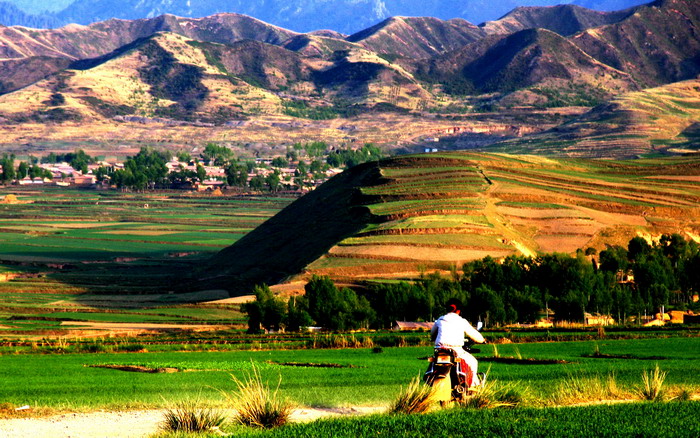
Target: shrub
x,y
492,394
579,389
652,384
417,398
256,405
188,416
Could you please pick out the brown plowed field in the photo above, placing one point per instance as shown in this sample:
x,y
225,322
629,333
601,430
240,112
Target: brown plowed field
x,y
413,253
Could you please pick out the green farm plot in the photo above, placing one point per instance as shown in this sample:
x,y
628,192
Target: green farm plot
x,y
434,221
347,262
58,245
399,172
402,207
360,376
443,239
71,225
199,313
426,188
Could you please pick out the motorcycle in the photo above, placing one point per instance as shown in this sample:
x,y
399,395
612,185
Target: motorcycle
x,y
453,378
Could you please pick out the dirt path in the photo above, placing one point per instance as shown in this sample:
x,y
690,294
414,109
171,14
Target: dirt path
x,y
130,424
500,224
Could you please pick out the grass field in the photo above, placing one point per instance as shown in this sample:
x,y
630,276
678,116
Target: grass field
x,y
668,420
363,378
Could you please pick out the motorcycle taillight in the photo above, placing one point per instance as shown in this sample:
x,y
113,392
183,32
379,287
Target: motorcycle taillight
x,y
443,358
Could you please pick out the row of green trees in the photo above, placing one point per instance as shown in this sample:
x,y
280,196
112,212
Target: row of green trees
x,y
622,282
10,172
323,304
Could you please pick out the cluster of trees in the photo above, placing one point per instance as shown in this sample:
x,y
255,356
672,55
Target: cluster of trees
x,y
350,158
24,170
322,304
78,159
145,170
10,173
7,162
516,289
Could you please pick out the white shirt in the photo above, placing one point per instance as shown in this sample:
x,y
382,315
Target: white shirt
x,y
449,331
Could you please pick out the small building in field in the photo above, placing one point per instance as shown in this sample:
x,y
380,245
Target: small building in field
x,y
209,184
590,319
84,180
406,325
678,316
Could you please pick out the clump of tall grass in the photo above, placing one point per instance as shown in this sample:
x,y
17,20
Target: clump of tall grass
x,y
189,416
494,394
256,405
652,385
417,398
582,389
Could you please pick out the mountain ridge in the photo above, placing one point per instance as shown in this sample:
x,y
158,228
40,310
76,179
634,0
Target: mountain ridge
x,y
230,67
346,16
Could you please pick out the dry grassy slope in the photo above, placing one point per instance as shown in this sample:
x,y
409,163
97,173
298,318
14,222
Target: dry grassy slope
x,y
563,19
238,78
417,37
657,44
83,42
653,120
412,213
117,83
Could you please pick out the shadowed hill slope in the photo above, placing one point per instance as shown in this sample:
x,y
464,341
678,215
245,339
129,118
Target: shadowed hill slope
x,y
403,216
563,19
301,233
658,44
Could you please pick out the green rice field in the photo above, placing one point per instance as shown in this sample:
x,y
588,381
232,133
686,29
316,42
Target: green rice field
x,y
362,376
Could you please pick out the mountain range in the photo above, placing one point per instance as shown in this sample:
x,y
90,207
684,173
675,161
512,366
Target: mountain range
x,y
230,67
345,16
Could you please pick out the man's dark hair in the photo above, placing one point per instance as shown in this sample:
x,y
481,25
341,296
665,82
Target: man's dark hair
x,y
453,305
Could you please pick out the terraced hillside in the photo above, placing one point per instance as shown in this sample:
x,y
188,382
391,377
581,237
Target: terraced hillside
x,y
407,215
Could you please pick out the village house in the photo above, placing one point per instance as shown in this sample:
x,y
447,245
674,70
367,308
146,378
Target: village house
x,y
590,319
407,325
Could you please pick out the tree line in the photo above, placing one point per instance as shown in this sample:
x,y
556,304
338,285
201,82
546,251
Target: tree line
x,y
624,283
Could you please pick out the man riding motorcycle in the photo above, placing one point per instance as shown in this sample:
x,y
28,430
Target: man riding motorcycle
x,y
449,332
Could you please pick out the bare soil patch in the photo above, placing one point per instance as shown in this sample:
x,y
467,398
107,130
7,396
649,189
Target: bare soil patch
x,y
407,252
233,300
81,225
140,232
135,424
561,243
136,368
117,327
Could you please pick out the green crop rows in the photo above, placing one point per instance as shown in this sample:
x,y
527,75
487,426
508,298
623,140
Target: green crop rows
x,y
362,378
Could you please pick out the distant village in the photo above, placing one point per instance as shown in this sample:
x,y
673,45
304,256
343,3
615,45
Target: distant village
x,y
302,169
64,175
